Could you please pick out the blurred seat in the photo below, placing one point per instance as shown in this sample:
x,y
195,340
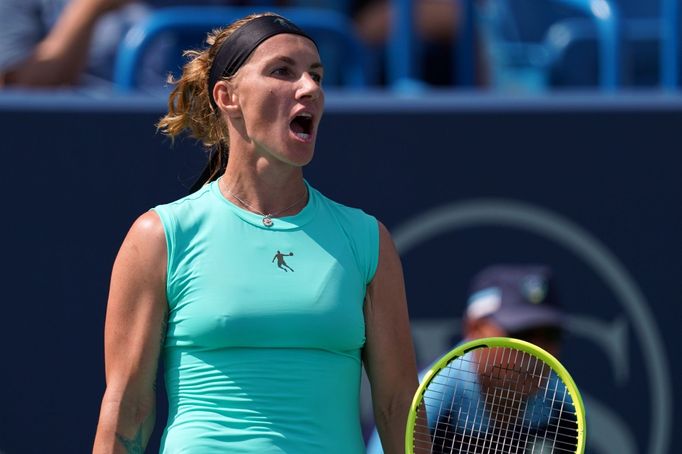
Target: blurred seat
x,y
651,41
513,39
533,44
648,32
174,29
524,41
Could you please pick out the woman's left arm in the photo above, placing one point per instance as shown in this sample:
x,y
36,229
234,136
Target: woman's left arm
x,y
388,355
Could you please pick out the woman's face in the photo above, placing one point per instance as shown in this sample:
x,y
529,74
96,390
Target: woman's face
x,y
280,99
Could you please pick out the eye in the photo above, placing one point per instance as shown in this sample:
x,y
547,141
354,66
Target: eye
x,y
317,77
281,71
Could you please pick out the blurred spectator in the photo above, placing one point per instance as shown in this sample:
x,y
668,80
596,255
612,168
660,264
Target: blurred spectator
x,y
517,301
53,43
48,43
435,22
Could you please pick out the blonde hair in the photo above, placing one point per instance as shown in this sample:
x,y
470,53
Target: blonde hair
x,y
189,104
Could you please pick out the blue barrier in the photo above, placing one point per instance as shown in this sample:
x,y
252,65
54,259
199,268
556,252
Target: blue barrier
x,y
589,184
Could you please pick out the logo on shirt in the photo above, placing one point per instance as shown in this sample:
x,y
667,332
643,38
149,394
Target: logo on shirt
x,y
281,263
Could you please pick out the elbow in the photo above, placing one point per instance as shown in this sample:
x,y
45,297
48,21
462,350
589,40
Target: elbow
x,y
134,408
391,412
119,417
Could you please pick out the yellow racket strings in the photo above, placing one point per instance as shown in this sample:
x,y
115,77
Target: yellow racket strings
x,y
496,400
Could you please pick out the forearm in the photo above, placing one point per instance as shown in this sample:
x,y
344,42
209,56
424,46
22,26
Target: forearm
x,y
390,420
60,58
124,428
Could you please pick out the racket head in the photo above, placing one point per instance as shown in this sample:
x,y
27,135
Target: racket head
x,y
543,376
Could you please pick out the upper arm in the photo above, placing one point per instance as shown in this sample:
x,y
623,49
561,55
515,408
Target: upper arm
x,y
136,309
388,355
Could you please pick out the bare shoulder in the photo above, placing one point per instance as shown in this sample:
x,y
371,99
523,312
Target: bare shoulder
x,y
389,259
147,226
147,231
385,235
383,231
387,289
144,248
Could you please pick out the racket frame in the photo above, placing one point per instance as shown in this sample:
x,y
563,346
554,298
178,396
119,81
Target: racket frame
x,y
508,342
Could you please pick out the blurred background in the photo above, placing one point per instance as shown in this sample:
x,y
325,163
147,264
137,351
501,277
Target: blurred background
x,y
478,131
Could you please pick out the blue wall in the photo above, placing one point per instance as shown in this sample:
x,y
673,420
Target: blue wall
x,y
589,185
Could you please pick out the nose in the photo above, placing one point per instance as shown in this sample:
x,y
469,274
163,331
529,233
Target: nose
x,y
308,87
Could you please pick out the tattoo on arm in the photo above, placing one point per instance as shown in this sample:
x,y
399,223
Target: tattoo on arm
x,y
132,446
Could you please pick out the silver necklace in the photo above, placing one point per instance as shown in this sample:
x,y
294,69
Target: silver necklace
x,y
267,218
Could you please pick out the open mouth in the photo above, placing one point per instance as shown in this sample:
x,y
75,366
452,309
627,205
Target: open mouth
x,y
302,126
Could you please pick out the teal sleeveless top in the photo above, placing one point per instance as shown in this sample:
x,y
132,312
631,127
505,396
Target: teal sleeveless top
x,y
265,326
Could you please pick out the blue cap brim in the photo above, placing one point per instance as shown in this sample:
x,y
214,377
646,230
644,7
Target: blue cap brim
x,y
516,320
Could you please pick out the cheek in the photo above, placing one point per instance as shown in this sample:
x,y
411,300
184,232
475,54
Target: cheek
x,y
259,106
269,109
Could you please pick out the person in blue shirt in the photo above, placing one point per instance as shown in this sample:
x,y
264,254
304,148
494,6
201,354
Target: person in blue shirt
x,y
506,300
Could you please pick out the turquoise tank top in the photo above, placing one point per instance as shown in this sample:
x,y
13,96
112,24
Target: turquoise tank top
x,y
265,326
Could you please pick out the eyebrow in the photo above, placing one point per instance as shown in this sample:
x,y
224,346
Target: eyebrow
x,y
291,61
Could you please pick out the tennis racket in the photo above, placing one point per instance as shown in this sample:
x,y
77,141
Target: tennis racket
x,y
496,395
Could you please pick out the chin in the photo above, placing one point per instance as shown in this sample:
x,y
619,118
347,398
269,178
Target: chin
x,y
298,155
301,161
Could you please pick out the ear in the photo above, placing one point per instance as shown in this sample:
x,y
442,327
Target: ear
x,y
227,99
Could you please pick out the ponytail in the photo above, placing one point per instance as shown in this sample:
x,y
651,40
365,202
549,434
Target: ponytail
x,y
189,104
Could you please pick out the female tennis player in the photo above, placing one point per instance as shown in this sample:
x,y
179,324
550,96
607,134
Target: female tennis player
x,y
263,296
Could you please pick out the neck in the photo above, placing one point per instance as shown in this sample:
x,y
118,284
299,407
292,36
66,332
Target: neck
x,y
264,188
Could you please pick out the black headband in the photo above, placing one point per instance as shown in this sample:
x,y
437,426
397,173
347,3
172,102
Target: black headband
x,y
237,48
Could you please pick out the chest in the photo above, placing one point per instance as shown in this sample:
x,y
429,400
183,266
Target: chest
x,y
267,289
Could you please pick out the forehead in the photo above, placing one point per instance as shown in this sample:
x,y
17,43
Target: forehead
x,y
297,47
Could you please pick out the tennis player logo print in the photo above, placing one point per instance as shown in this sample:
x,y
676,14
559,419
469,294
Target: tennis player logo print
x,y
281,263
